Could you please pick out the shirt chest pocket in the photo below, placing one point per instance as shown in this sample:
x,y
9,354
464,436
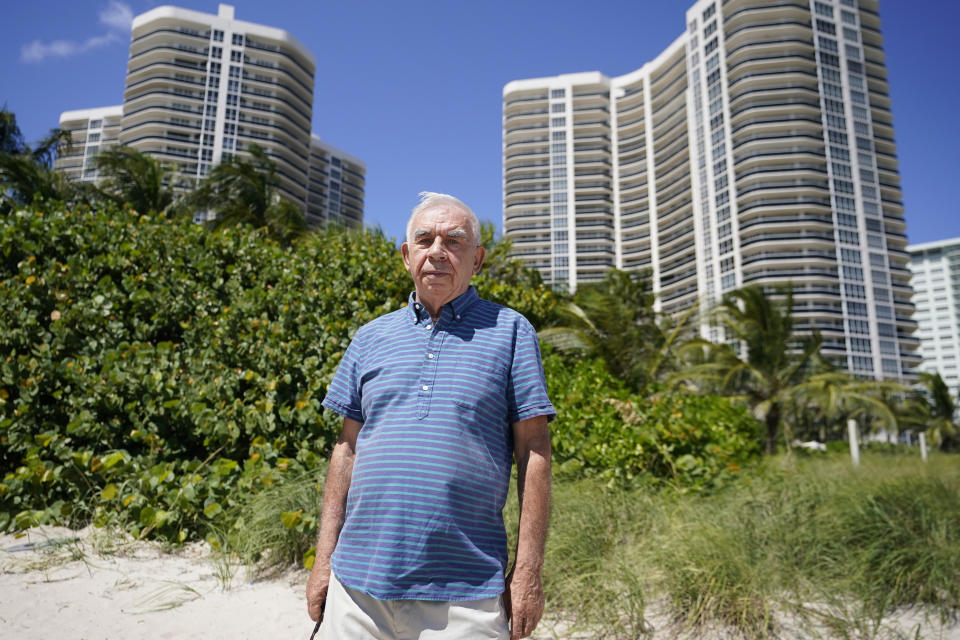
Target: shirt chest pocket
x,y
481,387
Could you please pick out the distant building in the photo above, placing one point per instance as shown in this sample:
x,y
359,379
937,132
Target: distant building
x,y
336,186
203,87
92,131
756,149
936,293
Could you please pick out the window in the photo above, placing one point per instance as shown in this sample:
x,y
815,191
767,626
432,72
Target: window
x,y
826,26
216,52
850,255
217,35
558,108
841,170
238,39
558,93
236,56
849,17
823,9
558,122
234,71
855,291
858,326
848,237
853,273
857,309
709,11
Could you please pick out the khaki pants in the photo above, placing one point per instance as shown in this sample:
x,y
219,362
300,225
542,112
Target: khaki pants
x,y
354,615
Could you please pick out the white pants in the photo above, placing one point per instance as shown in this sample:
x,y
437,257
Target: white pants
x,y
354,615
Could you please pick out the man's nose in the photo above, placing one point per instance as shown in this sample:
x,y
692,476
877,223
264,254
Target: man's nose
x,y
436,249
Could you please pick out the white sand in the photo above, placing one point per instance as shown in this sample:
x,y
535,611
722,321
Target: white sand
x,y
95,585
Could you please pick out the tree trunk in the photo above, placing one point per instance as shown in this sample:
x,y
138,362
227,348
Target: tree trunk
x,y
773,422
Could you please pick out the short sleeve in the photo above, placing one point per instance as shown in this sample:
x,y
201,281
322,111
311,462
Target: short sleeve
x,y
527,387
343,394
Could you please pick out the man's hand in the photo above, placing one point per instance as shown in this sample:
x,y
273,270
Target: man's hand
x,y
523,601
317,587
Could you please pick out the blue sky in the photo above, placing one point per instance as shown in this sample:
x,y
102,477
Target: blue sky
x,y
414,88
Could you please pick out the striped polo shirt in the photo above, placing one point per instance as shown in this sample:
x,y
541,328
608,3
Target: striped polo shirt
x,y
432,469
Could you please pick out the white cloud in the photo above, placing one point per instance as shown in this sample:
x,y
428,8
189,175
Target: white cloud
x,y
117,17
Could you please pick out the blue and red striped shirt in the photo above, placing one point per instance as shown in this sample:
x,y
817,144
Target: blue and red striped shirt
x,y
433,458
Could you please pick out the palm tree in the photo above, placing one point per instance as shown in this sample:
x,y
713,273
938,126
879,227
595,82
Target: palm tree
x,y
936,410
129,176
766,361
614,319
26,173
835,396
11,139
244,191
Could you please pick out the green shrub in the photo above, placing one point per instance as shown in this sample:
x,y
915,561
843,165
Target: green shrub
x,y
153,371
603,430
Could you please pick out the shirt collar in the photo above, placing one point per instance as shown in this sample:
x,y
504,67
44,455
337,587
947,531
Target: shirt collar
x,y
453,310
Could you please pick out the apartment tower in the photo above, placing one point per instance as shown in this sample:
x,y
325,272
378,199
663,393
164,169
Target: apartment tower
x,y
201,88
757,149
936,285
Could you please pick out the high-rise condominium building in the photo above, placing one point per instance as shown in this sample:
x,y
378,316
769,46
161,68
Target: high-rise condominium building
x,y
757,149
936,286
202,87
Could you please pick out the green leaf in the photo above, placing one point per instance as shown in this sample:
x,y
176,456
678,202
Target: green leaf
x,y
289,518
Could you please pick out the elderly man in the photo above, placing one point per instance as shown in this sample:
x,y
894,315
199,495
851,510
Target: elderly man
x,y
437,400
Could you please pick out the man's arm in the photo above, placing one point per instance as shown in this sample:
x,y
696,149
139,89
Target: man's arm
x,y
524,599
332,516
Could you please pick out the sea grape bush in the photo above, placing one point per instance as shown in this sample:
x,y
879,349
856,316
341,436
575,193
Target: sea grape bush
x,y
604,430
150,369
156,374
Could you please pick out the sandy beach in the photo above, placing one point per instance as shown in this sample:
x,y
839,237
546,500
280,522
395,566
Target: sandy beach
x,y
98,585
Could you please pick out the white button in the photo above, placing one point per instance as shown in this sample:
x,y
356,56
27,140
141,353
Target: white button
x,y
430,355
428,327
458,317
425,388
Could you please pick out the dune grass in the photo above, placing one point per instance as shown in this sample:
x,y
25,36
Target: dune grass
x,y
812,543
799,546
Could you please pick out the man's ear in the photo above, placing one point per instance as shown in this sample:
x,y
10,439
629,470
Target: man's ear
x,y
405,252
478,257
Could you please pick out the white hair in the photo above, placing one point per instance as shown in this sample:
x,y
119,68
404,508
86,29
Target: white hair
x,y
430,199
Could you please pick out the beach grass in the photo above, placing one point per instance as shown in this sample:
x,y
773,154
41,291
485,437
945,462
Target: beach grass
x,y
798,542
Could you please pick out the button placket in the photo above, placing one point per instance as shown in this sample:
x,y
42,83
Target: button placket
x,y
428,370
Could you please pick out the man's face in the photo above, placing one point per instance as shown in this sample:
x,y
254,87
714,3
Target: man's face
x,y
442,255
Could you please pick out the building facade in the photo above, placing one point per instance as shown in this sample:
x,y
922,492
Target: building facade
x,y
201,88
91,131
757,149
936,286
